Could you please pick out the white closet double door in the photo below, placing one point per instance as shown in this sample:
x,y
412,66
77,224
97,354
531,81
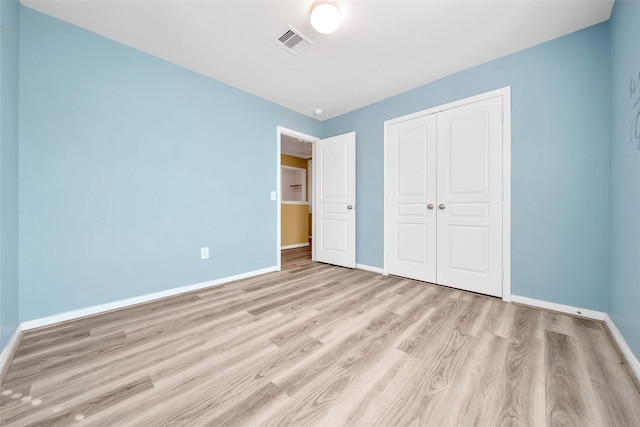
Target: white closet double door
x,y
443,218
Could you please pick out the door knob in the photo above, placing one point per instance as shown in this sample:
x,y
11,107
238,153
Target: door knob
x,y
430,206
349,206
441,206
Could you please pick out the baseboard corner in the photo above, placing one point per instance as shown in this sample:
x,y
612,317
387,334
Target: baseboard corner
x,y
631,358
9,351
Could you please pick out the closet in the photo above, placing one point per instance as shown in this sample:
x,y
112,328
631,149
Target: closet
x,y
444,197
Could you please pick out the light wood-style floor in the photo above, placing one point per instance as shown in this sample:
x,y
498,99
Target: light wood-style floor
x,y
323,346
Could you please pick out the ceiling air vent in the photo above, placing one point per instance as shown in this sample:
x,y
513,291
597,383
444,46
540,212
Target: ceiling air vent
x,y
293,41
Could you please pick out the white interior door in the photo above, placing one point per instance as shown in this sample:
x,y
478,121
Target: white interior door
x,y
411,198
334,217
470,197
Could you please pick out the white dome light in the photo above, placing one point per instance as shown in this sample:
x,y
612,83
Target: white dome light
x,y
325,17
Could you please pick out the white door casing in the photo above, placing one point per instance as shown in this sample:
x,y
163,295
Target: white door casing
x,y
471,212
334,218
411,198
469,236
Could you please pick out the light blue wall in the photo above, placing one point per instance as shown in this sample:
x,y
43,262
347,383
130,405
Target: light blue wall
x,y
560,179
624,279
128,165
9,47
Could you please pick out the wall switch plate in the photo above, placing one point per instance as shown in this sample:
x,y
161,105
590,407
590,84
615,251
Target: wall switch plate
x,y
204,253
273,196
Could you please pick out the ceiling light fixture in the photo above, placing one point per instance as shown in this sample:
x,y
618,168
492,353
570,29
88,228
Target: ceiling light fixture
x,y
325,16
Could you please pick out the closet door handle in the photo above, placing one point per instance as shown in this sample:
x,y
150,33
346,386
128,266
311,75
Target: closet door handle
x,y
441,206
430,206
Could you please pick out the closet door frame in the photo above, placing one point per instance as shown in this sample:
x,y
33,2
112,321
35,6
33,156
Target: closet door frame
x,y
505,94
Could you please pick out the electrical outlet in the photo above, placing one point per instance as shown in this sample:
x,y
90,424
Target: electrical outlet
x,y
204,253
273,196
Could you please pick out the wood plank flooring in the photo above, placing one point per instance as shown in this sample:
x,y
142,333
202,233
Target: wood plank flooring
x,y
318,345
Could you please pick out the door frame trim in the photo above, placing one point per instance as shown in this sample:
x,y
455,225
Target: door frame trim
x,y
294,133
505,93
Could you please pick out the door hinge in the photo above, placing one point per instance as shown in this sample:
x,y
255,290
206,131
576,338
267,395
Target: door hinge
x,y
503,195
503,275
502,116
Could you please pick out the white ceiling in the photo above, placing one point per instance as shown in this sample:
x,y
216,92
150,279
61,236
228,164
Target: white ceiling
x,y
295,147
382,48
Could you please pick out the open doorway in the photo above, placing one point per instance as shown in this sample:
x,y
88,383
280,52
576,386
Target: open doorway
x,y
295,195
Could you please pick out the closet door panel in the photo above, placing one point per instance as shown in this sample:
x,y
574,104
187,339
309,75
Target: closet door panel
x,y
469,188
411,196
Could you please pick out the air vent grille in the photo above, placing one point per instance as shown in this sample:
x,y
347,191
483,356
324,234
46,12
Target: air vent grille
x,y
293,41
290,39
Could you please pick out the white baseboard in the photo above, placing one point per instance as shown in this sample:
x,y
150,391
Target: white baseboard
x,y
9,350
622,344
369,268
96,309
297,245
576,311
